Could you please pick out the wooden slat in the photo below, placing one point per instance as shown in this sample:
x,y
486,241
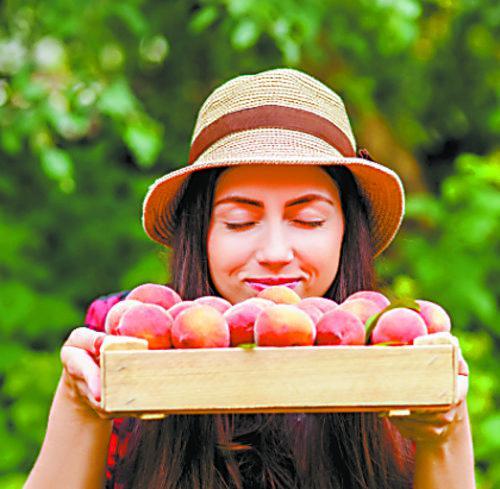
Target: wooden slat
x,y
304,379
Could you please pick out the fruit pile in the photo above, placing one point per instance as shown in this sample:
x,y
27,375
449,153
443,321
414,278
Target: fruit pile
x,y
276,317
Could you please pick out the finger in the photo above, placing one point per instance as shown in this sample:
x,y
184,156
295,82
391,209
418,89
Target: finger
x,y
80,365
462,387
88,397
86,338
442,418
441,338
423,434
463,368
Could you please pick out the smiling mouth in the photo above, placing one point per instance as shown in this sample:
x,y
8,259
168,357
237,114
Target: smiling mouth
x,y
262,285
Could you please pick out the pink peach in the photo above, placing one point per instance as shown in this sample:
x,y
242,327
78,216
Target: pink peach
x,y
399,326
280,294
222,305
362,308
115,313
176,309
284,325
149,321
241,319
155,294
322,303
312,311
380,299
200,326
339,327
434,316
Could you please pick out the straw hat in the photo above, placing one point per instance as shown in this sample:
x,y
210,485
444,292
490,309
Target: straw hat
x,y
280,116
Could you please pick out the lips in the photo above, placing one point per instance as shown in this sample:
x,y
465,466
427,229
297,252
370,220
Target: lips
x,y
260,284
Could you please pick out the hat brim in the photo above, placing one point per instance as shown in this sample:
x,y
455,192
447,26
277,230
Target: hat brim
x,y
381,188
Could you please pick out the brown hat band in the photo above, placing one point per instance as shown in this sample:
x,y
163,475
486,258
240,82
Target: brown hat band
x,y
271,116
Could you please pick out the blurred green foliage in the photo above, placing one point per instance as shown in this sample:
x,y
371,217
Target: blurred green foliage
x,y
99,98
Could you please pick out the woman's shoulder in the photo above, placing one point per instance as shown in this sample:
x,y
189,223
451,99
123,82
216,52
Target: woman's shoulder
x,y
97,311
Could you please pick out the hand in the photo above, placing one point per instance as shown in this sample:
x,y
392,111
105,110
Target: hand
x,y
432,427
81,379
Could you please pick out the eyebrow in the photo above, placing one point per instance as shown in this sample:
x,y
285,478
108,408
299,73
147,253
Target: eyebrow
x,y
257,203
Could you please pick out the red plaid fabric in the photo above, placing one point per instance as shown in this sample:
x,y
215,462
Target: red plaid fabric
x,y
120,435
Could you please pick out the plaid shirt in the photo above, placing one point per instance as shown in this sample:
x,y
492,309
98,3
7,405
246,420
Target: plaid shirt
x,y
94,319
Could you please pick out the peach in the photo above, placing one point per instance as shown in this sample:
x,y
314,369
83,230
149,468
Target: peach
x,y
399,326
155,294
321,303
284,325
362,308
241,319
280,294
380,299
177,308
200,326
259,301
312,311
222,305
149,321
434,316
115,313
339,327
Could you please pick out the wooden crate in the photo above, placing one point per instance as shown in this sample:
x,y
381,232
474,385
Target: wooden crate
x,y
153,383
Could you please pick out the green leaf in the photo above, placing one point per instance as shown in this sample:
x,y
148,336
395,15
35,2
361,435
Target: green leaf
x,y
203,19
57,164
117,100
144,140
247,346
404,302
245,35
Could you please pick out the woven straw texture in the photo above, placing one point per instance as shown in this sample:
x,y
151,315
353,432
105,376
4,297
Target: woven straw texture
x,y
380,186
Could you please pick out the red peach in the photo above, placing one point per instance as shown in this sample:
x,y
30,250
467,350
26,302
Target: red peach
x,y
322,303
149,321
176,309
155,294
362,308
284,325
399,326
241,319
380,299
339,327
222,305
312,311
434,316
115,313
200,326
280,294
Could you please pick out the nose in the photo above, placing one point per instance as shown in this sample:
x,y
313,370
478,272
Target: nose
x,y
275,249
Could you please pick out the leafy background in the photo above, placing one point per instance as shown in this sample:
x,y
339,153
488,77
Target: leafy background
x,y
98,98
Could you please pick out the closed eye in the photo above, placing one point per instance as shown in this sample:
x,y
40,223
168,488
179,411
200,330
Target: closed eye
x,y
243,225
313,224
238,225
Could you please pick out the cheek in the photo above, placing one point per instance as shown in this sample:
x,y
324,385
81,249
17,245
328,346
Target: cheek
x,y
225,252
322,248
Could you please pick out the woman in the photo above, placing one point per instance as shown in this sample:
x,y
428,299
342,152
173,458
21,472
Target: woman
x,y
274,193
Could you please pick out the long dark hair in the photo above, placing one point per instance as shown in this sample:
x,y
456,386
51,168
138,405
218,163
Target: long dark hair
x,y
268,451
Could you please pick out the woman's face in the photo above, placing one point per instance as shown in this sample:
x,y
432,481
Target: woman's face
x,y
273,225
